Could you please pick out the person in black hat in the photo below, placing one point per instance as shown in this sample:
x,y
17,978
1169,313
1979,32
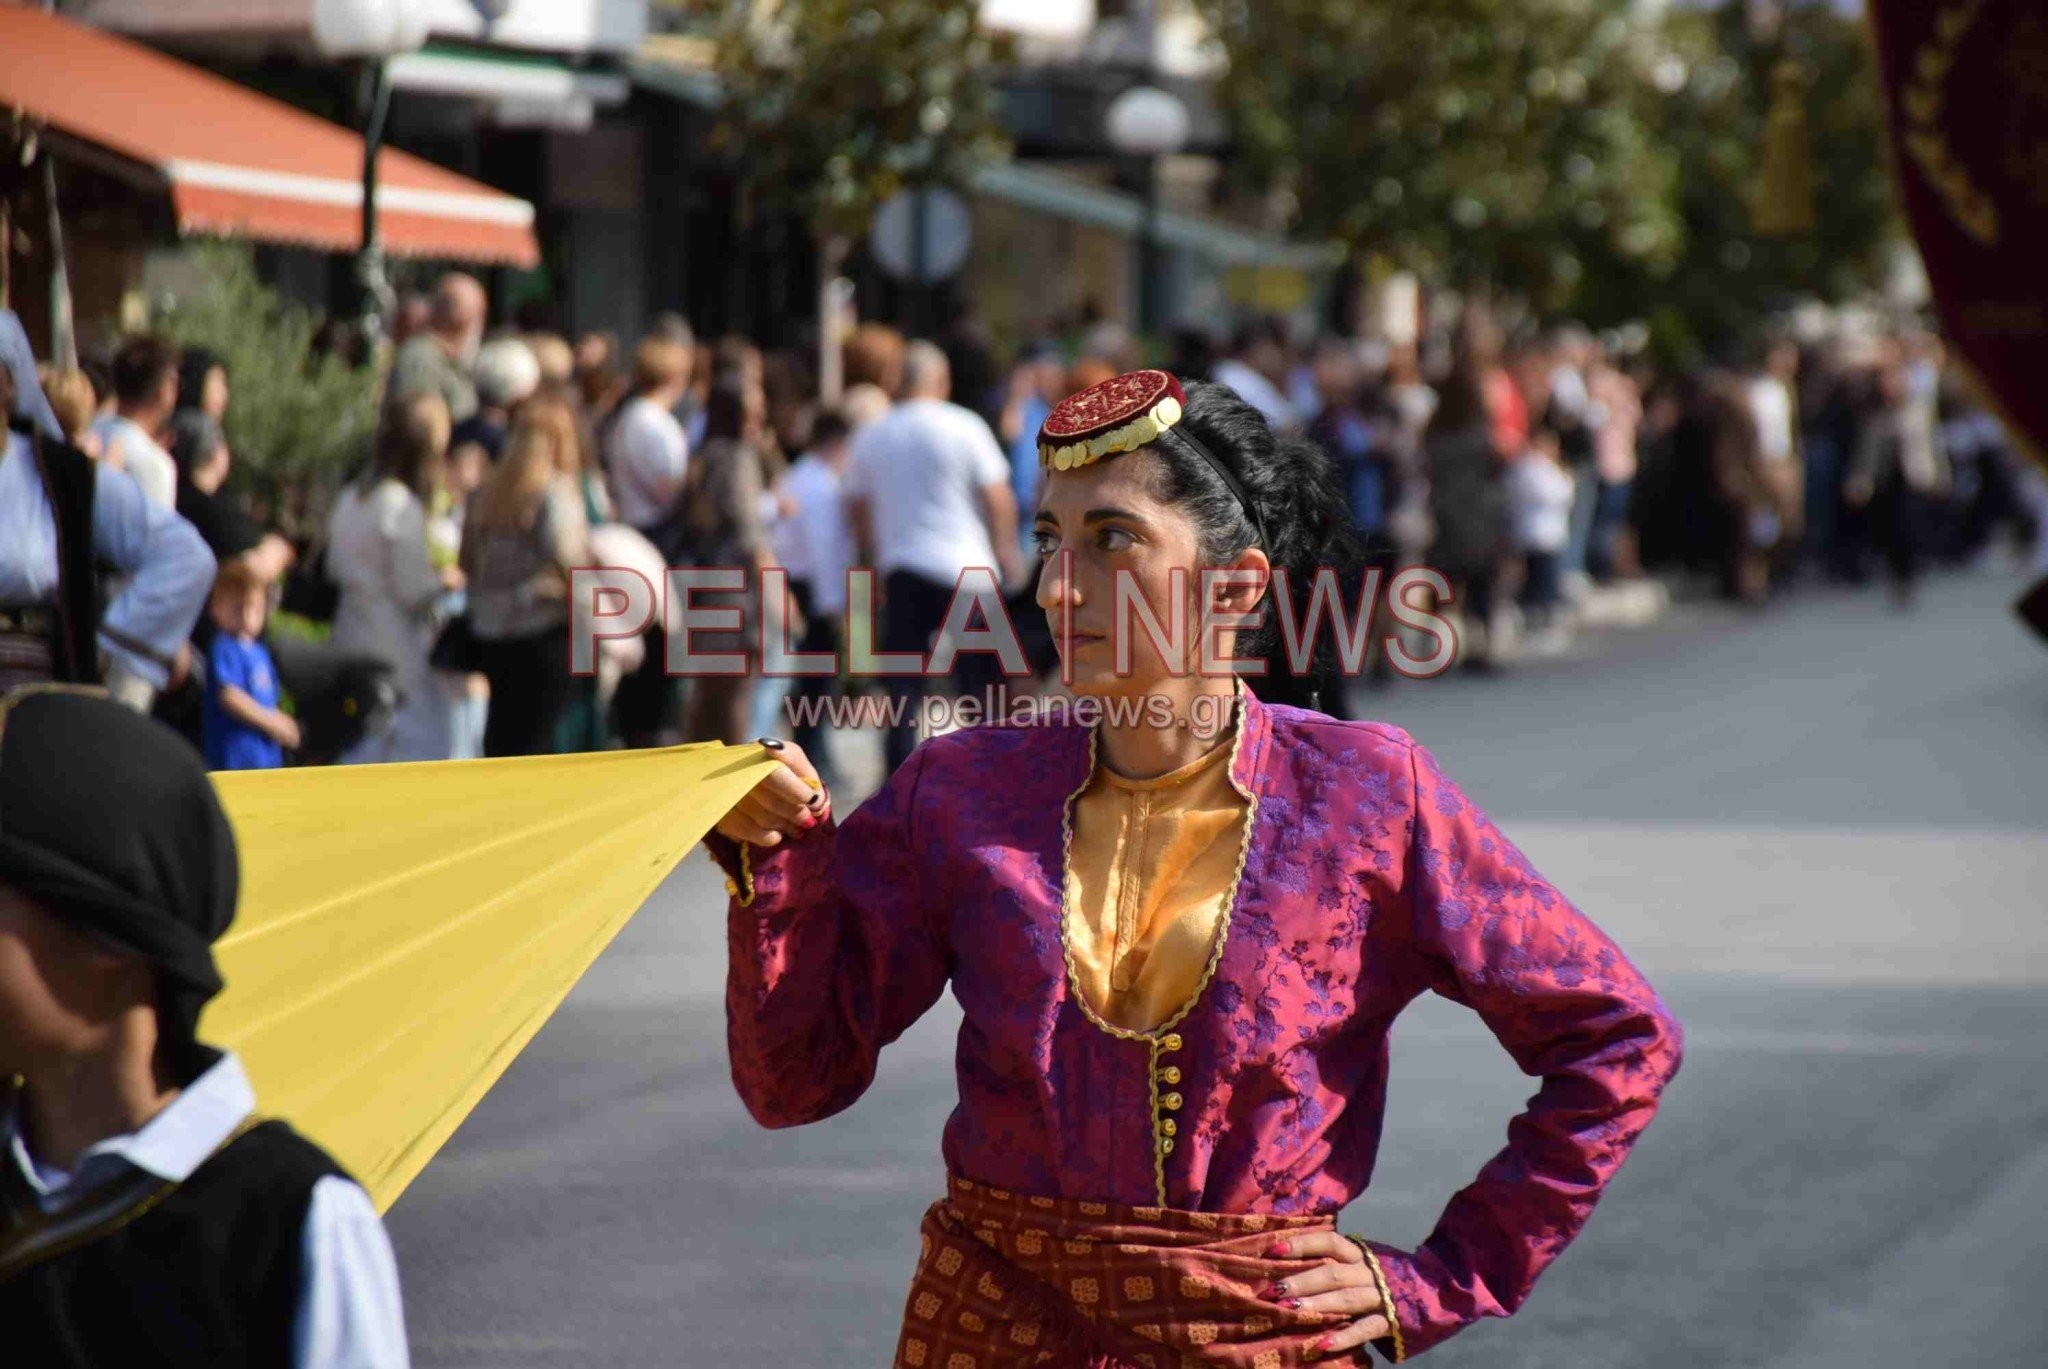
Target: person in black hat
x,y
147,1215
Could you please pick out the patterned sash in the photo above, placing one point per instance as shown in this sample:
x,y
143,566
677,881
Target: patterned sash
x,y
1007,1280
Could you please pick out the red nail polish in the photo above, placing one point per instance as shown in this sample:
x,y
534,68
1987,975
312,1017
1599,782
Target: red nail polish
x,y
1277,1250
1294,1303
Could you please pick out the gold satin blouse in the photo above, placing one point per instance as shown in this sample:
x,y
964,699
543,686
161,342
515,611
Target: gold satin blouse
x,y
1150,870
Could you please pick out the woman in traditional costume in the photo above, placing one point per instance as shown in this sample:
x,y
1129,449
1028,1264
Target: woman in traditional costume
x,y
1179,950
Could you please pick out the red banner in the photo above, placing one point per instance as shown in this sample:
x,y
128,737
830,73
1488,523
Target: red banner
x,y
1967,85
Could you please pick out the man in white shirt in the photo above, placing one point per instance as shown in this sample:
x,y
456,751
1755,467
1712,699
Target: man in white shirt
x,y
815,545
646,452
646,457
928,497
145,394
1255,360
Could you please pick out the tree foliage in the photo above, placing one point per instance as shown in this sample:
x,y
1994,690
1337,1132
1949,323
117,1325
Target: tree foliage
x,y
834,105
1485,141
297,418
1593,156
1728,273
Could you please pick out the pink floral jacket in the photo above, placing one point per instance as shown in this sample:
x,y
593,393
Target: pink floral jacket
x,y
1368,878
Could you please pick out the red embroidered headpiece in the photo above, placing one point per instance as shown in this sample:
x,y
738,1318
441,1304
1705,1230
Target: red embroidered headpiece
x,y
1119,415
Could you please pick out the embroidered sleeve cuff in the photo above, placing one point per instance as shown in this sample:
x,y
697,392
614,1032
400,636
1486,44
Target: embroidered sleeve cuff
x,y
1393,1346
772,875
736,858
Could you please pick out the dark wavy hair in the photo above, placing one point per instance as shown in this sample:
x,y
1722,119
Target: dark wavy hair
x,y
1300,503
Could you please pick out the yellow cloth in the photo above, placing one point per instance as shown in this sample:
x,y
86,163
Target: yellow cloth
x,y
404,930
1150,869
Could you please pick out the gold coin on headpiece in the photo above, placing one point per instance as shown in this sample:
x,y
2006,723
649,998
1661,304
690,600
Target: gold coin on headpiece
x,y
1167,411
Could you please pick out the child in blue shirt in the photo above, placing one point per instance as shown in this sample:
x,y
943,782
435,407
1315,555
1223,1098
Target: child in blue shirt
x,y
242,725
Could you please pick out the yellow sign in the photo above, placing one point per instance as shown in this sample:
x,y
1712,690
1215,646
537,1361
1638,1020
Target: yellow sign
x,y
1268,289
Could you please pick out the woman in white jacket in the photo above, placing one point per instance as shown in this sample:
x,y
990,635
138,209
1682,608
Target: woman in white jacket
x,y
377,554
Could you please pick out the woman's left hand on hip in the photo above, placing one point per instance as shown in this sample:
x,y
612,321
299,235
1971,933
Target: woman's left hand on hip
x,y
1342,1284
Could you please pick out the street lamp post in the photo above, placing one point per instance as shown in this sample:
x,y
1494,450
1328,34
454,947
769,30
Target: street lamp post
x,y
372,32
378,300
1150,124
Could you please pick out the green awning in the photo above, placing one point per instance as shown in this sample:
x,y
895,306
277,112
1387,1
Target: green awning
x,y
678,70
444,69
1062,196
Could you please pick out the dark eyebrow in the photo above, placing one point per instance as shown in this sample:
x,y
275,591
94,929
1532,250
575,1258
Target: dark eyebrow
x,y
1105,514
1093,516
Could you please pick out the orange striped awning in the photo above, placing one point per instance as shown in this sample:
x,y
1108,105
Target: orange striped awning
x,y
239,164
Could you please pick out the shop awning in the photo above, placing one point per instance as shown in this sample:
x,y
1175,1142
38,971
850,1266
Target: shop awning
x,y
681,68
525,90
446,70
238,164
1060,196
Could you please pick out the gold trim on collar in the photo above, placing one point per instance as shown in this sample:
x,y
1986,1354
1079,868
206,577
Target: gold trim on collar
x,y
1161,1037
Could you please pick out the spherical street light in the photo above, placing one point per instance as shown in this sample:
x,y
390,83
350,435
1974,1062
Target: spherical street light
x,y
1149,123
371,32
1146,121
368,28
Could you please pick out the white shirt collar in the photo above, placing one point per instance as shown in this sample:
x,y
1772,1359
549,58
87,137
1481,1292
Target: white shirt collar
x,y
170,1145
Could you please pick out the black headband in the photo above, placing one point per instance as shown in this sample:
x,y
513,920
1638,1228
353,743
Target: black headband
x,y
1179,433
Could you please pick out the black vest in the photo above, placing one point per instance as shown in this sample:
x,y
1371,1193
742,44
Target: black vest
x,y
69,481
207,1277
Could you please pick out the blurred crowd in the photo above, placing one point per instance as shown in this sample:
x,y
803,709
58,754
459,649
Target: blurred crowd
x,y
428,615
1532,469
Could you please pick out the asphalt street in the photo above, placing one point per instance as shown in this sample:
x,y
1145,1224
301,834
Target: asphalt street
x,y
1819,830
